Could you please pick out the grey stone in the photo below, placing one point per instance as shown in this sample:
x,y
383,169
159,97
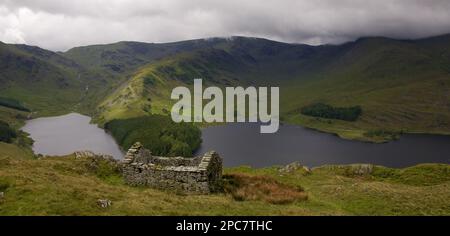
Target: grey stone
x,y
361,169
104,203
290,167
198,175
307,169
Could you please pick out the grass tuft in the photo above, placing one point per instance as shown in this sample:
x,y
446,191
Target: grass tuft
x,y
243,187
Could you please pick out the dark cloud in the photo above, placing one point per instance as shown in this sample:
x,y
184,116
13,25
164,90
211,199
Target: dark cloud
x,y
60,25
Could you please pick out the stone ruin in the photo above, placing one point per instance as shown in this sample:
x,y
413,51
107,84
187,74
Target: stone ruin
x,y
198,175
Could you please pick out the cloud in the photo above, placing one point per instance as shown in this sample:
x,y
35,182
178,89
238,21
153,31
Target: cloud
x,y
60,25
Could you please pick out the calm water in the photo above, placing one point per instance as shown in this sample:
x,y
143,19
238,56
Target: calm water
x,y
66,134
242,144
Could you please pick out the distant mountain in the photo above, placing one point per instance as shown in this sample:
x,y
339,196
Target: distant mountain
x,y
37,77
47,82
401,85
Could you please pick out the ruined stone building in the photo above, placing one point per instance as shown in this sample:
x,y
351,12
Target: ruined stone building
x,y
201,174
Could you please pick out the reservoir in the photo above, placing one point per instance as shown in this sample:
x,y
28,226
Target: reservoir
x,y
243,144
62,135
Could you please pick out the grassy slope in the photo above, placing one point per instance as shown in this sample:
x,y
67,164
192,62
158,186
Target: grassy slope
x,y
136,98
69,186
401,85
15,152
220,63
125,61
149,89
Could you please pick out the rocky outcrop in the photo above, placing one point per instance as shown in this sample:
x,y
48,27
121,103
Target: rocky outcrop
x,y
351,170
293,167
104,203
89,154
361,169
198,175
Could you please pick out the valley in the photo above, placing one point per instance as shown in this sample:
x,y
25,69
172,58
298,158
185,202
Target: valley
x,y
389,87
402,86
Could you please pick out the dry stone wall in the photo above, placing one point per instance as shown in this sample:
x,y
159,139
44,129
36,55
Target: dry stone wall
x,y
199,175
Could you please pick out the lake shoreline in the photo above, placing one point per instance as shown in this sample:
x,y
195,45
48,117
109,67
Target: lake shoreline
x,y
265,153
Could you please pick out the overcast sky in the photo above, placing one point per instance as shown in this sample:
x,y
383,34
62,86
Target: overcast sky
x,y
60,24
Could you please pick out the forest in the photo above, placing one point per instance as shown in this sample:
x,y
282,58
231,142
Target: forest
x,y
157,133
7,134
12,103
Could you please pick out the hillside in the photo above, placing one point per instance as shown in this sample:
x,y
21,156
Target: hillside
x,y
32,76
402,86
70,186
236,61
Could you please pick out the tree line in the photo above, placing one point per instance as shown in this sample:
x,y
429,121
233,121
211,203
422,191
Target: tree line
x,y
329,112
12,103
